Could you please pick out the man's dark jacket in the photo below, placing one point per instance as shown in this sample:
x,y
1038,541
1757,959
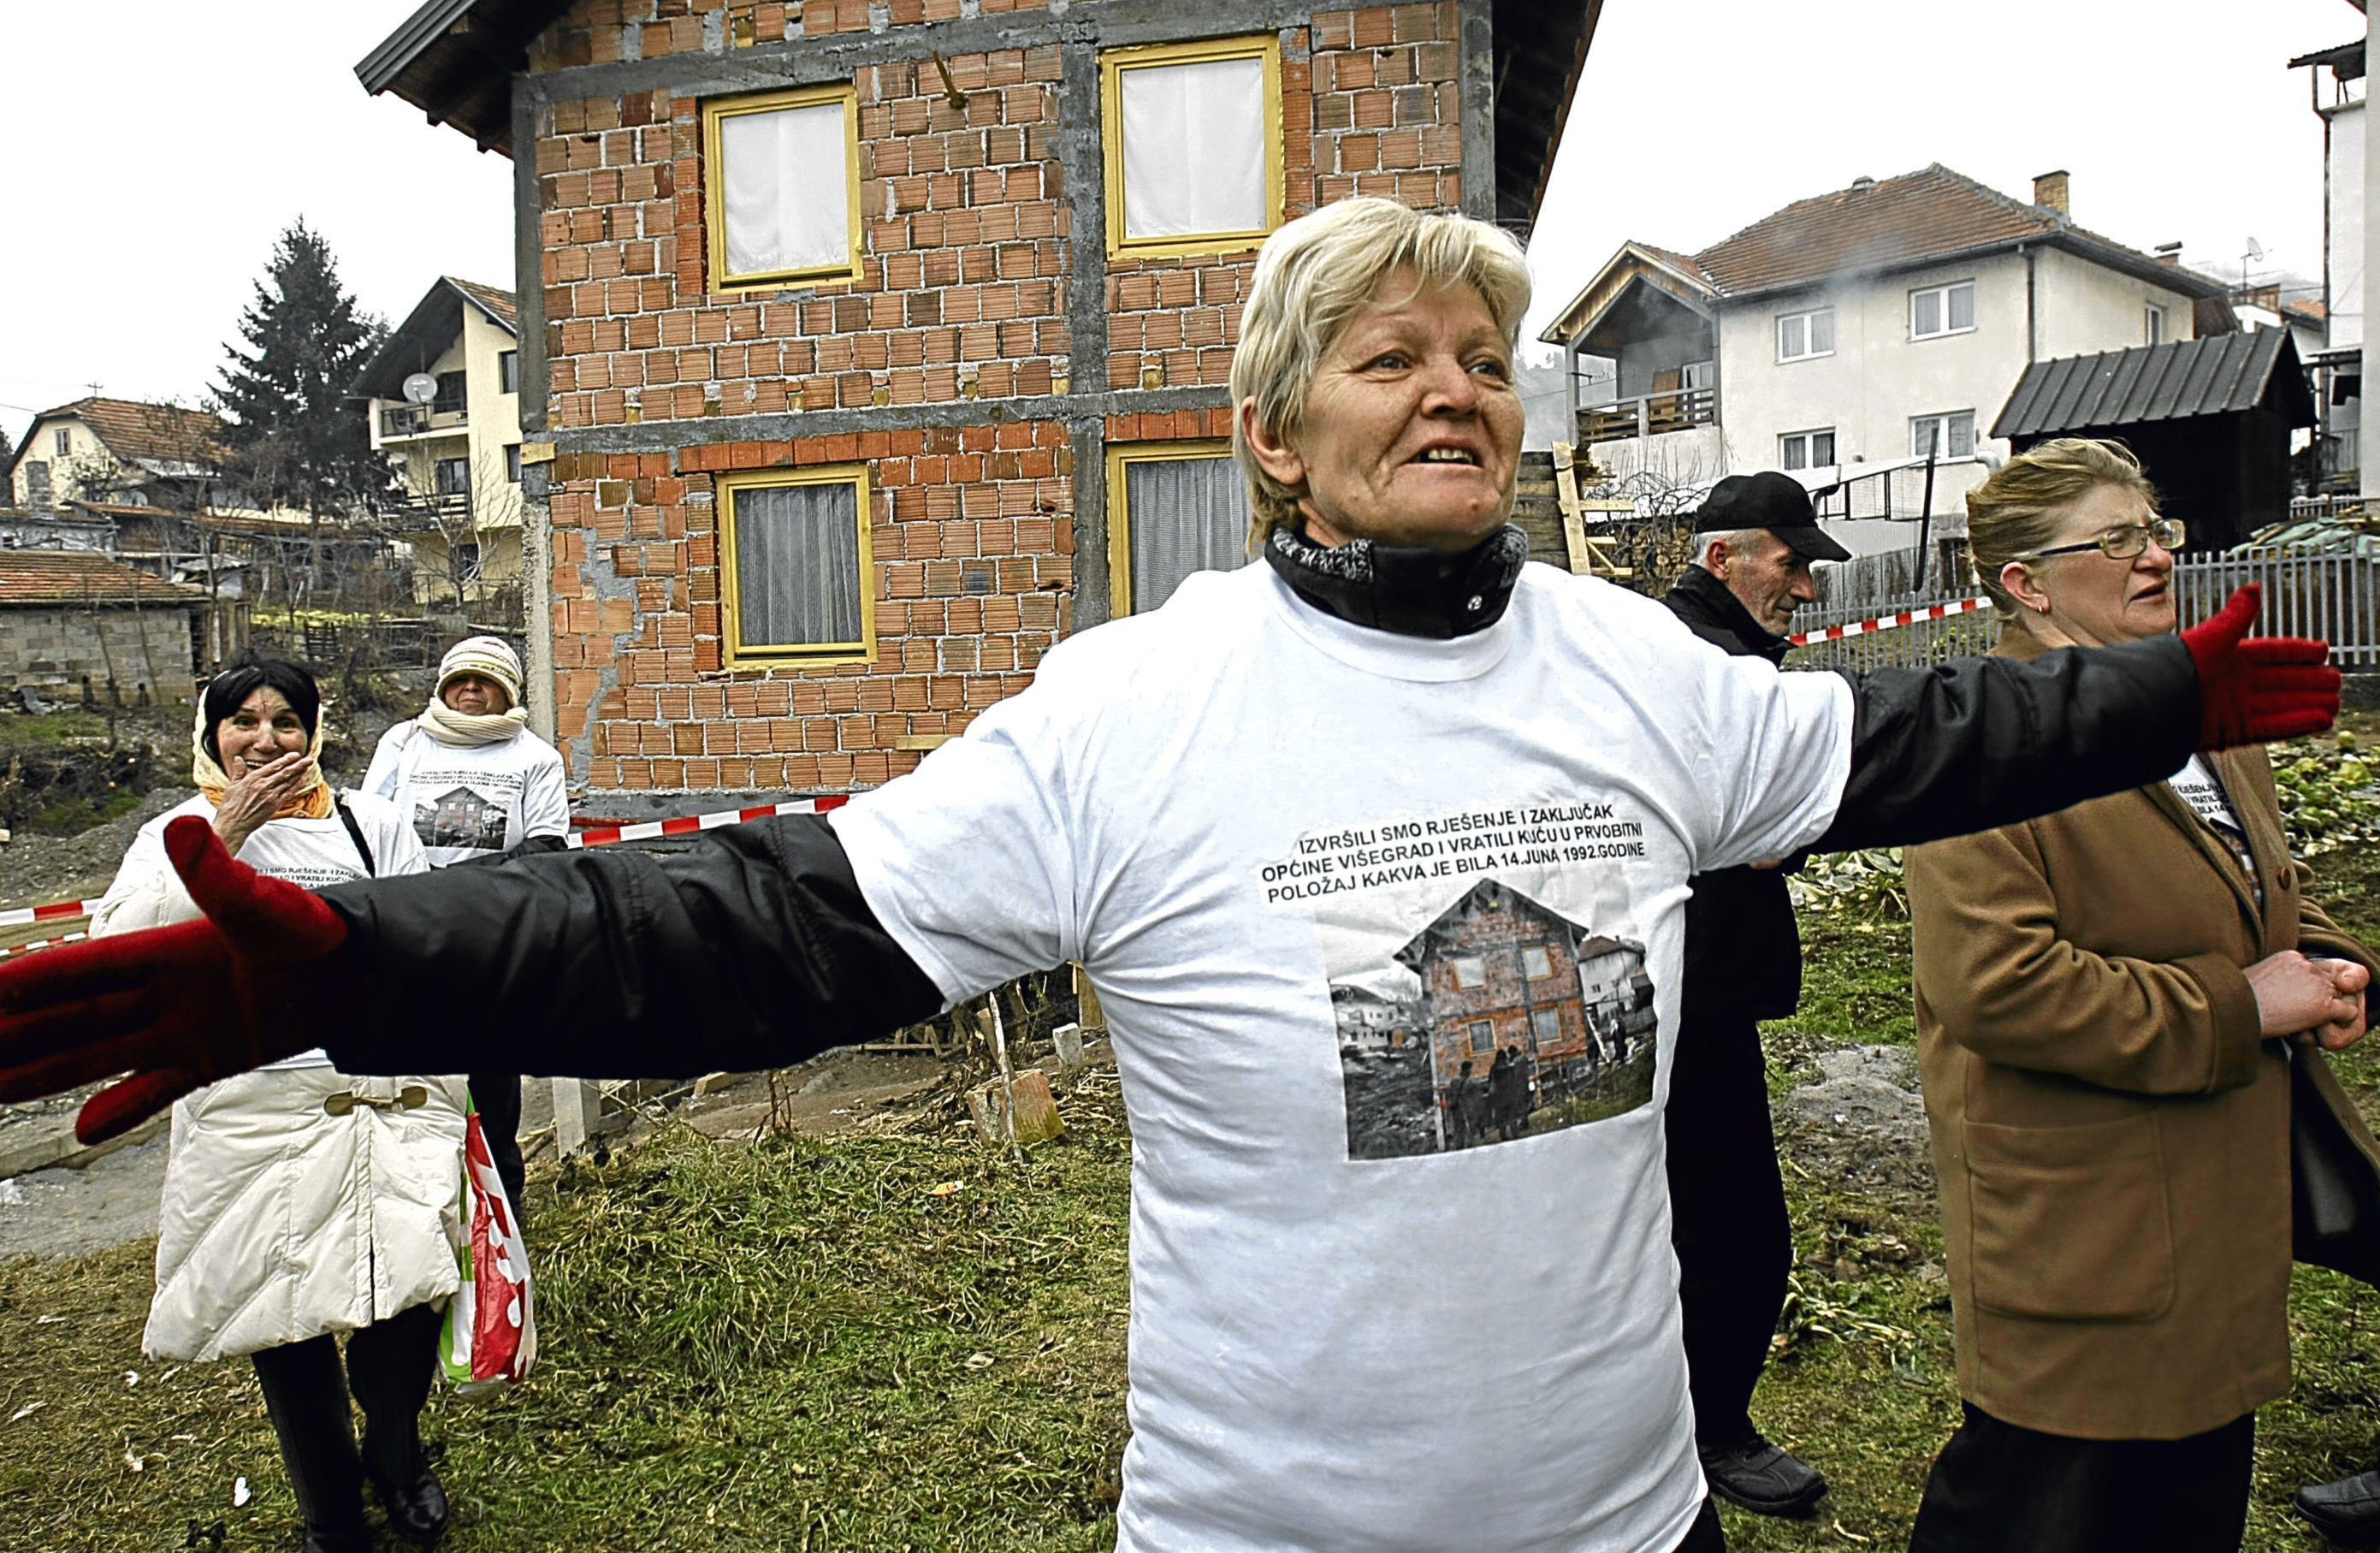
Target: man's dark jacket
x,y
1744,951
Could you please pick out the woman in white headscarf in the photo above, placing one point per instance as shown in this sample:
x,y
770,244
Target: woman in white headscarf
x,y
300,1202
478,785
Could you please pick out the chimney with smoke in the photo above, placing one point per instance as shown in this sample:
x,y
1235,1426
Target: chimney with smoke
x,y
2049,191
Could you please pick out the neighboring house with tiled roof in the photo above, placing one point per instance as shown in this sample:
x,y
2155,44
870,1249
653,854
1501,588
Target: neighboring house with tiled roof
x,y
70,618
1859,327
118,450
457,451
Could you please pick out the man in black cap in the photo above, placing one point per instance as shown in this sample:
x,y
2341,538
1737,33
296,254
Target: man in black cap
x,y
1754,541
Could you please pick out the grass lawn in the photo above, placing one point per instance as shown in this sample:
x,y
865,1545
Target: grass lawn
x,y
901,1341
897,1343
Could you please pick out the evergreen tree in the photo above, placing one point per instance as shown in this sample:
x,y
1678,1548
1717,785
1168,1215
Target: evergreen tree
x,y
295,439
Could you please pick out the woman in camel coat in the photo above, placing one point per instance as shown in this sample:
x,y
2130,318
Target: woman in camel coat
x,y
2102,1000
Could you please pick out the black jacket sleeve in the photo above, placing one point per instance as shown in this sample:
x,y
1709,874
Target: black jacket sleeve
x,y
1977,742
752,949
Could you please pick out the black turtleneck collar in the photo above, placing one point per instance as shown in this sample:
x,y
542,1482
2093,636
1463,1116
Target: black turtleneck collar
x,y
1409,590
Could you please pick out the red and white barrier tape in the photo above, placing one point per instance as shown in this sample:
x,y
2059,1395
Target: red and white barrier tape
x,y
56,911
685,825
1887,622
41,943
593,835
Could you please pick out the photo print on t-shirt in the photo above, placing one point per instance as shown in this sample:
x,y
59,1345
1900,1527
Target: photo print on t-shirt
x,y
1467,1011
460,817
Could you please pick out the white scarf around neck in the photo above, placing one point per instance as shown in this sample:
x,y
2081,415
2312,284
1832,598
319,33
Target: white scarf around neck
x,y
462,730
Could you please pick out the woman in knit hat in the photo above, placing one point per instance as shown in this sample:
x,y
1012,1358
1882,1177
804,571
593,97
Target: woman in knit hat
x,y
478,785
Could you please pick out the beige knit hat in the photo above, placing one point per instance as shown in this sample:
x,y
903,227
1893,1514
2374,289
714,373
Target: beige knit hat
x,y
489,656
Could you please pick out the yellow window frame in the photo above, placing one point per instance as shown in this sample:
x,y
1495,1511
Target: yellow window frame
x,y
714,182
733,651
1112,65
1120,457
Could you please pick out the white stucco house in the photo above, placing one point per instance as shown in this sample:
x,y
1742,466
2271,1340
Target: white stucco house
x,y
2336,78
1844,336
457,454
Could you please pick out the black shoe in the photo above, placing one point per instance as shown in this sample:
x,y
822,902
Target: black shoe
x,y
1761,1477
408,1489
2347,1511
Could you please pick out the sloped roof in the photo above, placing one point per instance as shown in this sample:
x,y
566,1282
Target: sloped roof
x,y
2215,374
133,430
83,577
493,300
1913,219
1875,226
2346,60
429,330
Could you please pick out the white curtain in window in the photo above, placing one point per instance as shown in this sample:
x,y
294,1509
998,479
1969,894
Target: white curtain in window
x,y
1194,148
1822,332
788,203
796,564
1925,313
1963,307
1186,514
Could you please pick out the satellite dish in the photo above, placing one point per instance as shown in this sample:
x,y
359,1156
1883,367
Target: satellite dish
x,y
421,388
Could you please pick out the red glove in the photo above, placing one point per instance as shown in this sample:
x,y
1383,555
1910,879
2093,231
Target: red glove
x,y
180,1006
2260,689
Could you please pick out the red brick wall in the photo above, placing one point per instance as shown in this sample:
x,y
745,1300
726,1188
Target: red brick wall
x,y
966,229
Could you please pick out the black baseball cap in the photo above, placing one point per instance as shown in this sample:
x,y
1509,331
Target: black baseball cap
x,y
1771,501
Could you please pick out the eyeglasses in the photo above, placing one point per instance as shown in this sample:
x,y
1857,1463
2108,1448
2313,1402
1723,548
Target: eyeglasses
x,y
2120,544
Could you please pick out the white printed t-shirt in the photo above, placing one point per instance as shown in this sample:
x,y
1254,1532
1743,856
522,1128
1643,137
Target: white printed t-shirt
x,y
1312,869
473,801
317,853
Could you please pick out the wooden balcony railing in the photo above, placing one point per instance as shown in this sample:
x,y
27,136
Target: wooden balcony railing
x,y
1649,415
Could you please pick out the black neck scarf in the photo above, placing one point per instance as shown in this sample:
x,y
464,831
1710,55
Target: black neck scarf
x,y
1409,590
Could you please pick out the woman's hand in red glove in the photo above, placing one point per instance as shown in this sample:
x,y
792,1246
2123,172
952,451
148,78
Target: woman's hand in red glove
x,y
176,1007
2258,689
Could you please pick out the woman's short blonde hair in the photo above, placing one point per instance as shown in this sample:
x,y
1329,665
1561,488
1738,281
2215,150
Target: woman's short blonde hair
x,y
2017,511
1313,276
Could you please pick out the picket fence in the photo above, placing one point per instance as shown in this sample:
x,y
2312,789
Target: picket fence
x,y
2335,596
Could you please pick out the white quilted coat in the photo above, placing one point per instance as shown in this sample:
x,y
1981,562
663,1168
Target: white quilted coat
x,y
282,1219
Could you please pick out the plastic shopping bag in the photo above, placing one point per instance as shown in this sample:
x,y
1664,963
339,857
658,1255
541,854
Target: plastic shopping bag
x,y
490,1340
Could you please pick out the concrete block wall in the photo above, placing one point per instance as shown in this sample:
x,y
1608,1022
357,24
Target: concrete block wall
x,y
979,366
57,649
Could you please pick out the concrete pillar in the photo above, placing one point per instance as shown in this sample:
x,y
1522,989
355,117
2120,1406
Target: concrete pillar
x,y
576,1106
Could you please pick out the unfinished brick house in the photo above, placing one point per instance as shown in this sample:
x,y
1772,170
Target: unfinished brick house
x,y
868,348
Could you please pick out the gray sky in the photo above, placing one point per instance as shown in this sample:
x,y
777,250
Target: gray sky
x,y
154,178
2178,119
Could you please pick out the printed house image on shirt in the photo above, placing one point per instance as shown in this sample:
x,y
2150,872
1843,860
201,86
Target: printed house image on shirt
x,y
460,818
1513,1021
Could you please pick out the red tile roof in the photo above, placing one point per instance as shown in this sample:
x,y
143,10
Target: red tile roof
x,y
500,304
81,576
131,430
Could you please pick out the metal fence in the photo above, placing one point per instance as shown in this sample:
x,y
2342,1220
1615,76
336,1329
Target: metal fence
x,y
2334,596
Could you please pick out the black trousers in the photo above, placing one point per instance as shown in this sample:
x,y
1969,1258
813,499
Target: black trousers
x,y
1704,1535
1727,1222
498,1096
1998,1487
388,1369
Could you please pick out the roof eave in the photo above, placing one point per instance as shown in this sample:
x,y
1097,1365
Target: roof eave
x,y
2173,277
409,42
1696,287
